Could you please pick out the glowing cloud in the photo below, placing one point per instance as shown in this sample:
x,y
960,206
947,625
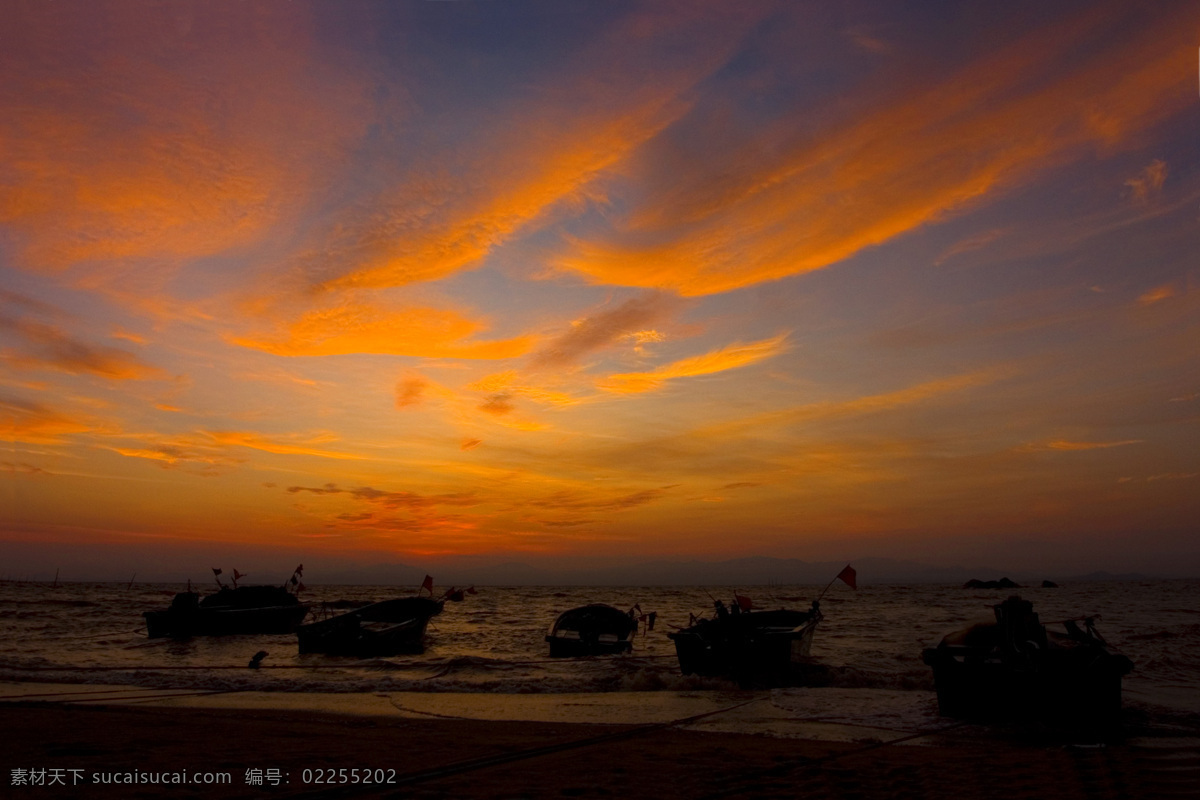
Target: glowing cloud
x,y
355,327
737,219
257,441
731,357
33,423
1157,294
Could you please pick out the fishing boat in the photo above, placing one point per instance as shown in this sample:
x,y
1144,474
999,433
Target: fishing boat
x,y
754,648
379,629
1017,668
238,610
592,630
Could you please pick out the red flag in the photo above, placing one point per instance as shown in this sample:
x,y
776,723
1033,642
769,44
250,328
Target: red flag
x,y
216,571
849,577
744,603
471,590
428,584
237,576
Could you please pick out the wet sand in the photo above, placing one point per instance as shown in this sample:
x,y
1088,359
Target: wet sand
x,y
434,757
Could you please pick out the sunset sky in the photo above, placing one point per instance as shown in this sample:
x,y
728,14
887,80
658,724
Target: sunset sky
x,y
574,283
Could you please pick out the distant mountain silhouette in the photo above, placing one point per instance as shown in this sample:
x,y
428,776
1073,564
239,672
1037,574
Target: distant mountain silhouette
x,y
750,571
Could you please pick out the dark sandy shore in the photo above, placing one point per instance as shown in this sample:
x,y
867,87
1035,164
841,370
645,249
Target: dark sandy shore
x,y
469,759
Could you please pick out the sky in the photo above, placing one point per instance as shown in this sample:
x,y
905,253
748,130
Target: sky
x,y
588,283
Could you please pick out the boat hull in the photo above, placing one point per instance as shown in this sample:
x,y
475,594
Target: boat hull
x,y
971,686
769,648
388,628
184,623
1017,668
591,630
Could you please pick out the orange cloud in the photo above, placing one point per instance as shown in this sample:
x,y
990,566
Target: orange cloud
x,y
356,327
731,357
545,149
1156,294
257,441
745,218
32,423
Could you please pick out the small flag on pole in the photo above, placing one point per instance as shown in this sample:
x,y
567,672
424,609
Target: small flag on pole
x,y
744,603
428,584
471,590
216,571
849,577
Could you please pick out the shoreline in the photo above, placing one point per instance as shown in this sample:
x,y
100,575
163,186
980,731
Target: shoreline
x,y
562,751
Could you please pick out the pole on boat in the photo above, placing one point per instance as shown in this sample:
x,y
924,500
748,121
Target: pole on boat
x,y
130,586
55,586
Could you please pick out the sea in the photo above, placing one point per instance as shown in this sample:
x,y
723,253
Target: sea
x,y
493,643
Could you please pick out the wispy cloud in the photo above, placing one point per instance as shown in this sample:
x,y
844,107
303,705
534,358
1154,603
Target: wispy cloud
x,y
257,441
869,404
1148,183
1157,294
997,123
392,500
1065,445
606,328
726,358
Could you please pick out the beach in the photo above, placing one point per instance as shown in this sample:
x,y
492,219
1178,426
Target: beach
x,y
111,742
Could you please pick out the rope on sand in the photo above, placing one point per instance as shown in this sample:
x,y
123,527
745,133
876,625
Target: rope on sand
x,y
83,697
470,765
376,663
815,762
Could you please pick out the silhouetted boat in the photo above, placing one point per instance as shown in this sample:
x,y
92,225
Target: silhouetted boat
x,y
1016,668
379,629
754,648
591,630
241,610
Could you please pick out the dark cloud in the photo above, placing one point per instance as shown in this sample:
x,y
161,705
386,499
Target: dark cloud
x,y
498,404
50,348
578,502
410,501
605,328
410,391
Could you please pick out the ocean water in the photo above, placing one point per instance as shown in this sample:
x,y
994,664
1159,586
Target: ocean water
x,y
869,644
